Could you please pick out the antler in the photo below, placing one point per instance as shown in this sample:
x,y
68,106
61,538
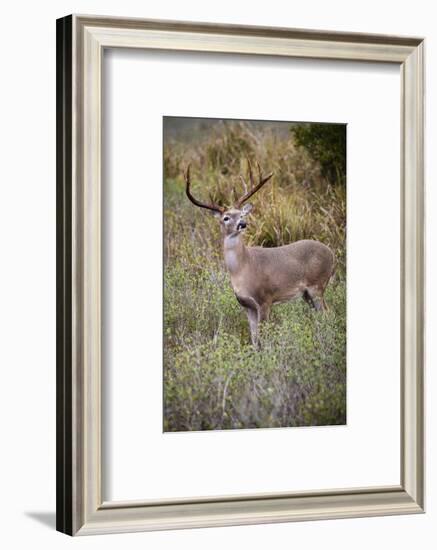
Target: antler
x,y
213,207
254,188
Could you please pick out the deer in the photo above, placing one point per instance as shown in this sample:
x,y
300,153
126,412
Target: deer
x,y
261,276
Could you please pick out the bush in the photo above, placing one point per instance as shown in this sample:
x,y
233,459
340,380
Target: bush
x,y
326,144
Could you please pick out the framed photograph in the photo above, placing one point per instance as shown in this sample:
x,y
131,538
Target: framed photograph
x,y
240,265
266,371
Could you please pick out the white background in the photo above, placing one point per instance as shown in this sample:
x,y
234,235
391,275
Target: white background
x,y
141,461
27,299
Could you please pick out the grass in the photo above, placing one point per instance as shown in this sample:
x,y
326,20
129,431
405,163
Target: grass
x,y
213,377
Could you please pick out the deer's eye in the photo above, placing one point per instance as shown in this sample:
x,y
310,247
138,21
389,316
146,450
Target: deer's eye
x,y
226,218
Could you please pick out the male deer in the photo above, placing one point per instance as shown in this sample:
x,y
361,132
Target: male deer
x,y
261,277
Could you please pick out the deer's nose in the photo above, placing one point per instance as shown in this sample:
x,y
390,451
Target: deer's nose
x,y
241,224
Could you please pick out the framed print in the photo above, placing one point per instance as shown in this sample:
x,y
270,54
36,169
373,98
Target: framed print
x,y
240,264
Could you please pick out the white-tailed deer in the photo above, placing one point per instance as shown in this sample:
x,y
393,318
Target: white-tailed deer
x,y
261,276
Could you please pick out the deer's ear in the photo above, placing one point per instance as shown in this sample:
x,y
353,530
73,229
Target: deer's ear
x,y
217,215
246,209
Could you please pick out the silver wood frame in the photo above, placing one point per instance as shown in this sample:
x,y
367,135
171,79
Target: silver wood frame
x,y
81,41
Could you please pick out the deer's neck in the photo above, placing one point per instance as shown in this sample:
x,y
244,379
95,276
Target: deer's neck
x,y
235,253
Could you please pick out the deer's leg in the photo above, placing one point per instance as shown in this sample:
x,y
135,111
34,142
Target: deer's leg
x,y
306,296
256,316
263,313
251,308
314,296
252,316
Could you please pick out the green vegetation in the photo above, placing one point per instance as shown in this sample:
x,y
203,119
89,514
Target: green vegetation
x,y
326,144
213,378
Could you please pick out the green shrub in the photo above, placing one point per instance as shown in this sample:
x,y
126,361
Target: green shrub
x,y
326,144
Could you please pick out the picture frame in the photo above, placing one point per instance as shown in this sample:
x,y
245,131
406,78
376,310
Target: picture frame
x,y
81,41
